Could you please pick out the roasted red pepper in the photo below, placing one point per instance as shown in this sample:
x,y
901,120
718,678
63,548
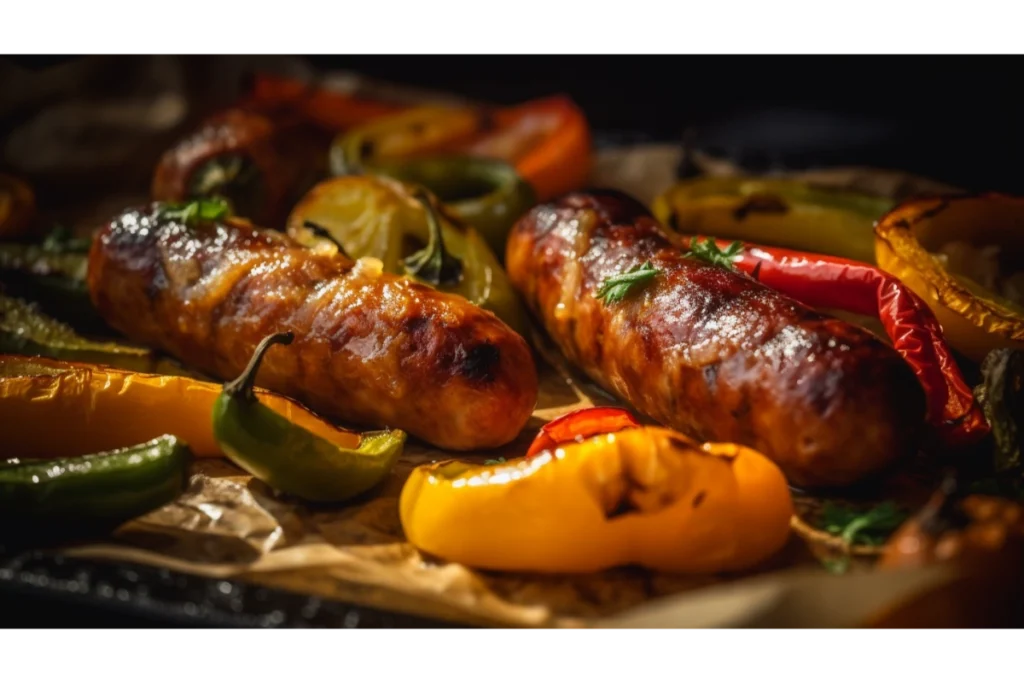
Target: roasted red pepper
x,y
546,140
831,282
331,108
579,425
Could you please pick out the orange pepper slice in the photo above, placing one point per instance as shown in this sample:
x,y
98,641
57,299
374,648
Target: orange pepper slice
x,y
55,409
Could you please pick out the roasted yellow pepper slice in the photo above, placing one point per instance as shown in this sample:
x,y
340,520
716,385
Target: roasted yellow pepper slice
x,y
394,222
644,496
776,212
77,408
912,243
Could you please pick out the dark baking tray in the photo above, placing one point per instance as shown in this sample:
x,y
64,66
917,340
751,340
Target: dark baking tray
x,y
49,589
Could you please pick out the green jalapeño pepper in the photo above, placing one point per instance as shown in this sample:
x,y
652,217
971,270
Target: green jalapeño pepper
x,y
52,272
405,229
25,330
486,194
775,212
290,458
95,490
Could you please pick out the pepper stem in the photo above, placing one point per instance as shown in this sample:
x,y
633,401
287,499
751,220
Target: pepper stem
x,y
241,387
433,263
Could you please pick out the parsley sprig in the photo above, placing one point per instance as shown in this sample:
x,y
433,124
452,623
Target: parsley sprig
x,y
616,287
859,527
867,527
207,209
709,252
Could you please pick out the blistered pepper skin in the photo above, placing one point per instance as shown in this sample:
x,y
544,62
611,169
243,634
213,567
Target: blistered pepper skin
x,y
973,324
644,496
100,408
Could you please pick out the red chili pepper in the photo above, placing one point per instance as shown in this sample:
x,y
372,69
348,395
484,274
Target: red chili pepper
x,y
831,282
580,424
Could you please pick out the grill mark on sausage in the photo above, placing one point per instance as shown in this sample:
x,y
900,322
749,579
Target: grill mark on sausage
x,y
479,363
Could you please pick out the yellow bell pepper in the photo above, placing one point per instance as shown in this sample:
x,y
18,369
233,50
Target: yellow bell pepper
x,y
910,242
76,408
776,212
644,496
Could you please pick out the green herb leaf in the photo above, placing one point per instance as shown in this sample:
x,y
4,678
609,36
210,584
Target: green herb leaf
x,y
862,527
709,252
499,461
616,288
61,240
209,209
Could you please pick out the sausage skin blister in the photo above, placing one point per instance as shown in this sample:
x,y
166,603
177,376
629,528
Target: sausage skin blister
x,y
370,348
712,352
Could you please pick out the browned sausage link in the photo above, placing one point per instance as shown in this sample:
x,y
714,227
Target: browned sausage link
x,y
711,352
258,162
370,348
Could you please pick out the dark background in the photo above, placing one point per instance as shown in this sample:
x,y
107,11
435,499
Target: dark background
x,y
950,114
952,118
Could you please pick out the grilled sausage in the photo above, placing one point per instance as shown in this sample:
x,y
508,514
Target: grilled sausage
x,y
259,161
711,352
370,348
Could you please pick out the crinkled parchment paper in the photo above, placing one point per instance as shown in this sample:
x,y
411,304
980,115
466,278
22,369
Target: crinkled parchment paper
x,y
228,525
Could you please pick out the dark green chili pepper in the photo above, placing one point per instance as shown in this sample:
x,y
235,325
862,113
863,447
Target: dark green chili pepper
x,y
433,263
26,330
290,458
486,194
98,489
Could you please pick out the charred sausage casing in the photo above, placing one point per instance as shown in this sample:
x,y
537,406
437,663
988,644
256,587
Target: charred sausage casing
x,y
259,161
370,348
711,352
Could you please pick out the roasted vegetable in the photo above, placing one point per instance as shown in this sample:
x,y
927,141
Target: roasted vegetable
x,y
17,207
547,141
410,234
52,273
978,297
26,330
579,425
1001,396
330,108
485,194
974,529
51,408
644,496
98,489
835,283
291,458
777,212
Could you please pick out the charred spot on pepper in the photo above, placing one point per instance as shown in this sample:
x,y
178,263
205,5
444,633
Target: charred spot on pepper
x,y
673,221
760,203
698,499
625,503
367,148
478,364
